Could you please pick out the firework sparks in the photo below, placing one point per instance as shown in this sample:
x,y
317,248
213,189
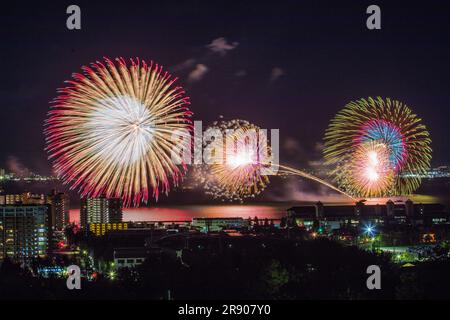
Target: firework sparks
x,y
241,158
109,131
242,171
371,170
378,147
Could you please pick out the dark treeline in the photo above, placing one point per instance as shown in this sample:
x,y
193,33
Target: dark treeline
x,y
319,269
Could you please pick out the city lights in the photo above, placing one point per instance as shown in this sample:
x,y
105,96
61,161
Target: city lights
x,y
112,275
369,230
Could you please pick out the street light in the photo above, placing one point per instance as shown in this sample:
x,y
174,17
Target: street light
x,y
112,275
369,230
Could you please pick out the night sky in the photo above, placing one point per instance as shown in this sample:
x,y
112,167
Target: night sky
x,y
280,64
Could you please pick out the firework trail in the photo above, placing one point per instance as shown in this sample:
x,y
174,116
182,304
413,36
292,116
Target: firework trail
x,y
378,147
243,163
109,130
292,171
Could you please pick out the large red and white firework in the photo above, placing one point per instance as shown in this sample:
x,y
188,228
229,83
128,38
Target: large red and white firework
x,y
110,130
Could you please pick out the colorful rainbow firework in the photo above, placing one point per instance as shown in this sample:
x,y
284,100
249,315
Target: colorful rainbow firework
x,y
109,131
378,147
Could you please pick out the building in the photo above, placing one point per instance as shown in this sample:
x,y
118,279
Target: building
x,y
390,213
100,229
129,257
100,210
7,199
23,231
33,198
218,224
59,209
114,210
22,198
58,202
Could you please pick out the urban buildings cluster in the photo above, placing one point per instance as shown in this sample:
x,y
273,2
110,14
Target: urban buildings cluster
x,y
433,173
333,217
28,177
28,222
35,225
390,225
31,224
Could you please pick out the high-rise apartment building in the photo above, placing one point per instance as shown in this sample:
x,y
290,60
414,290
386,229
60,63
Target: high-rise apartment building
x,y
23,231
100,210
59,209
58,204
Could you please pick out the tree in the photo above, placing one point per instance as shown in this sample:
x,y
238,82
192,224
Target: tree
x,y
274,277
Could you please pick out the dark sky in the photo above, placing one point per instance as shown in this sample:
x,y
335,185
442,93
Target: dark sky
x,y
290,65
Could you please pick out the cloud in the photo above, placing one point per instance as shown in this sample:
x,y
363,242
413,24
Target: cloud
x,y
291,145
16,166
221,46
198,73
187,64
317,162
319,147
240,73
276,74
301,190
300,156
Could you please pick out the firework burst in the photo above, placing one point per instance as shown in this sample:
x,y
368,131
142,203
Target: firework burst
x,y
371,169
378,147
236,164
110,130
244,164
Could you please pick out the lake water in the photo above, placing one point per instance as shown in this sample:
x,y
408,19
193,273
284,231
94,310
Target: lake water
x,y
187,212
262,211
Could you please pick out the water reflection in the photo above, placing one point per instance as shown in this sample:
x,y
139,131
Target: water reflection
x,y
269,211
186,213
